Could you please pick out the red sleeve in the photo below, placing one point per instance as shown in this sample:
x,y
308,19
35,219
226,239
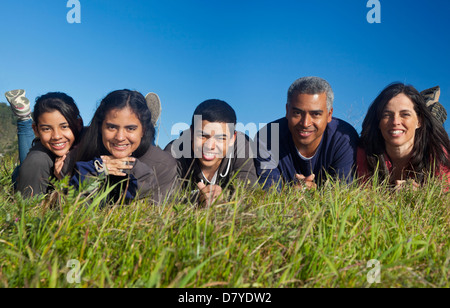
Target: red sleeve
x,y
362,165
444,175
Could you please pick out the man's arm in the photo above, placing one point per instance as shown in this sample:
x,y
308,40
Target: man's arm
x,y
344,162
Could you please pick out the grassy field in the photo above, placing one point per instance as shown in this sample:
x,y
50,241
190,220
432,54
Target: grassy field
x,y
321,238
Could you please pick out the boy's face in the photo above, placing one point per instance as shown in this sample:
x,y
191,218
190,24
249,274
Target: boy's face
x,y
211,142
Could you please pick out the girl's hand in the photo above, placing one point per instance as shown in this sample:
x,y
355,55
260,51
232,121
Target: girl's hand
x,y
118,166
59,164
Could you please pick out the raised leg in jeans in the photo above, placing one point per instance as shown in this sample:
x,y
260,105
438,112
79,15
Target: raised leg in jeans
x,y
20,106
25,135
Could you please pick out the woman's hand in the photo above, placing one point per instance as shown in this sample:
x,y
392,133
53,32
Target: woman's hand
x,y
400,185
59,164
209,194
117,166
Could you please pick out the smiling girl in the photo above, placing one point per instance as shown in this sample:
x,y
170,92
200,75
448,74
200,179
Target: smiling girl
x,y
119,145
57,127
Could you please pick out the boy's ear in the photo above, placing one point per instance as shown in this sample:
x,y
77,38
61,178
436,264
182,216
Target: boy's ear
x,y
233,140
35,130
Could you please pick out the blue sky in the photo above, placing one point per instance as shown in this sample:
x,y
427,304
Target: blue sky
x,y
245,52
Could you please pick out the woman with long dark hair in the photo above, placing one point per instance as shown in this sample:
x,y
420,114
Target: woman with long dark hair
x,y
402,140
118,145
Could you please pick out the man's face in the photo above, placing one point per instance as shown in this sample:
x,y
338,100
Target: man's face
x,y
211,142
308,117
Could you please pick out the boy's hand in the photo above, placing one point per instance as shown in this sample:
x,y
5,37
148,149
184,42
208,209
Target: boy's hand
x,y
209,194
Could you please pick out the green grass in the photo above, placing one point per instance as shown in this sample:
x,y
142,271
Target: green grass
x,y
321,238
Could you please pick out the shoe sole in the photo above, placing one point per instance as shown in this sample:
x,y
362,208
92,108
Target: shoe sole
x,y
154,104
18,102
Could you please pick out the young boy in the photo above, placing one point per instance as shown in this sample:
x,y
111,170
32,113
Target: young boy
x,y
211,153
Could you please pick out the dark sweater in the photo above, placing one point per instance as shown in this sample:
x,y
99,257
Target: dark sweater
x,y
239,165
335,156
37,170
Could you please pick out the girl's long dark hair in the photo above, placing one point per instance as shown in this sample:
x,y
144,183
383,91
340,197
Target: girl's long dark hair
x,y
431,143
92,145
64,104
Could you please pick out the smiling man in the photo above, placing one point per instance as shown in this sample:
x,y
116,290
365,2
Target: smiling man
x,y
310,142
211,153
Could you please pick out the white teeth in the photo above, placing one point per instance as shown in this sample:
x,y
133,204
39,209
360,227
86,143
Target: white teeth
x,y
396,132
209,155
59,145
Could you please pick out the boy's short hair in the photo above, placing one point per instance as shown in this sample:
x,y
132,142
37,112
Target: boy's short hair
x,y
217,111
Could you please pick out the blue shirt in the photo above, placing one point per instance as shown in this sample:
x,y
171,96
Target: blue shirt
x,y
85,171
335,156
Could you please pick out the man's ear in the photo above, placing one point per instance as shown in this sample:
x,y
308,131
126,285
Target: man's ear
x,y
35,130
330,115
287,109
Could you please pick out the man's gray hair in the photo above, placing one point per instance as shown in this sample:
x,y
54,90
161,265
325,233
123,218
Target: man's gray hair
x,y
311,85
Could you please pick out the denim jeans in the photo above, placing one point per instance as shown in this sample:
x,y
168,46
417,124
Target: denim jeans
x,y
25,135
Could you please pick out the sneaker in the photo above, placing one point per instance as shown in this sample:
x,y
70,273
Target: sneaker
x,y
431,97
154,104
20,105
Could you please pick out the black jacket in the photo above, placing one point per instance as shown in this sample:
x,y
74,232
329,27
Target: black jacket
x,y
238,165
